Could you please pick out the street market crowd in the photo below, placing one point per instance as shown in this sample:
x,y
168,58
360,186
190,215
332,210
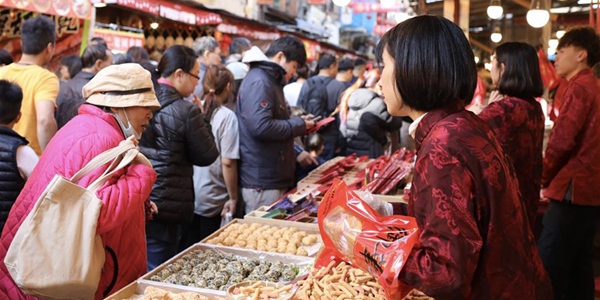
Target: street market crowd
x,y
225,136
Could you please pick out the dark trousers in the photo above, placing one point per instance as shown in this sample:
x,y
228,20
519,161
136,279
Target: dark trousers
x,y
566,247
200,228
161,242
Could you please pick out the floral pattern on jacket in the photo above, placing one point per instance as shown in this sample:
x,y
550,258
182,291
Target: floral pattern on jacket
x,y
475,242
519,127
121,223
572,151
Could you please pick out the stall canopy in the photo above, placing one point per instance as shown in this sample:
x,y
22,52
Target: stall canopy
x,y
169,10
78,9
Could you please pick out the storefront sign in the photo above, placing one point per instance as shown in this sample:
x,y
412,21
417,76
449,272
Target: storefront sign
x,y
248,32
78,9
360,8
177,13
11,20
119,40
148,6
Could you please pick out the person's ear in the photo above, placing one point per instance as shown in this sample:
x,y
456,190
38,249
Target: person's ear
x,y
582,56
206,54
50,48
280,57
98,65
18,118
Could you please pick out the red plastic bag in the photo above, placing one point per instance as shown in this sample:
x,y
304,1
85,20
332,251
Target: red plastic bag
x,y
354,232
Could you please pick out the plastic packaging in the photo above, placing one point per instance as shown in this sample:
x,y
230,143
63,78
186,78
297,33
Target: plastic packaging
x,y
354,232
227,219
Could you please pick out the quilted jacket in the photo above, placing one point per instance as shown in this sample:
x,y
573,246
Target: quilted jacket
x,y
176,139
475,242
122,218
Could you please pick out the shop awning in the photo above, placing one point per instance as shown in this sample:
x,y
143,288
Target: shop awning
x,y
80,9
169,10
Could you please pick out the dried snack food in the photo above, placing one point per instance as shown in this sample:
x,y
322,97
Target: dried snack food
x,y
218,271
354,232
154,293
259,290
267,238
339,282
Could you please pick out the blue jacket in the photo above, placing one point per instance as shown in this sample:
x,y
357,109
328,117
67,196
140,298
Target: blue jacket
x,y
267,156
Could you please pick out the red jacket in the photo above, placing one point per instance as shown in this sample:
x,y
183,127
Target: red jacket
x,y
475,242
519,127
574,145
121,223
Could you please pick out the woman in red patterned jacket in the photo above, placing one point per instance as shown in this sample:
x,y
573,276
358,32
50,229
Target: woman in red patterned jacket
x,y
474,242
517,118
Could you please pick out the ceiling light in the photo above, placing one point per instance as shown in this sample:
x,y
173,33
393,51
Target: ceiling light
x,y
560,33
538,15
99,4
553,43
494,11
496,36
154,25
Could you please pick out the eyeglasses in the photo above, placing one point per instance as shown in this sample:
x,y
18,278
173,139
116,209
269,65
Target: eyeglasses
x,y
195,76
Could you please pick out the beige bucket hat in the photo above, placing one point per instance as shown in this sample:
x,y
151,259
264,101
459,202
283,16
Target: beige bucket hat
x,y
124,85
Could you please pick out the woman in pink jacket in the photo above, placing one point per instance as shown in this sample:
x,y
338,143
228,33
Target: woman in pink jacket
x,y
119,103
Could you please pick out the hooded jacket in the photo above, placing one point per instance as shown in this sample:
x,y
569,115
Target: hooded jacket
x,y
122,217
367,123
267,157
176,139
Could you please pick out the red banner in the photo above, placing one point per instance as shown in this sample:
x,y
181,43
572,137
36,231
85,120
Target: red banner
x,y
80,9
118,40
316,2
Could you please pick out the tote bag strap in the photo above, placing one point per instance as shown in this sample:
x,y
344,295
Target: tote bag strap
x,y
102,159
112,169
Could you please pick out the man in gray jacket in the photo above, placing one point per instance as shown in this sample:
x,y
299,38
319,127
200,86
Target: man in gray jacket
x,y
267,132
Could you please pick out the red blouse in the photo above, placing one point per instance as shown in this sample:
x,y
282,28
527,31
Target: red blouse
x,y
475,242
519,127
574,144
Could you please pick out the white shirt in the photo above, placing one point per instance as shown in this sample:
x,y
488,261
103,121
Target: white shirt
x,y
26,160
413,126
292,91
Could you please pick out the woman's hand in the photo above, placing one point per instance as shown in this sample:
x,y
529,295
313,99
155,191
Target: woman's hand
x,y
495,96
229,207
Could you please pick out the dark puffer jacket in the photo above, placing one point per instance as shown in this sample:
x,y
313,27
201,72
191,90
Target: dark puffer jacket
x,y
176,139
11,182
267,131
367,124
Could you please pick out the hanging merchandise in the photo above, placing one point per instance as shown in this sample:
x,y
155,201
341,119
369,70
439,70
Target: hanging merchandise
x,y
353,231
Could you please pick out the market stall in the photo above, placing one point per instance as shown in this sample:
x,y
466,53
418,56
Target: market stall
x,y
71,19
277,252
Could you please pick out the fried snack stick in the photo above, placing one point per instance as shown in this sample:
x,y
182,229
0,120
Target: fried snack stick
x,y
338,283
259,291
417,295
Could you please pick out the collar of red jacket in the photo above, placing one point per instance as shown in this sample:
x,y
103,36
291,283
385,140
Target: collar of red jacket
x,y
432,117
584,72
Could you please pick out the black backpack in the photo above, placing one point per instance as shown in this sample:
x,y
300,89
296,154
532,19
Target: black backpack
x,y
316,101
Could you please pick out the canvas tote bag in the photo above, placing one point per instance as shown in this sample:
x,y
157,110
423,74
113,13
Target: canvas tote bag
x,y
56,253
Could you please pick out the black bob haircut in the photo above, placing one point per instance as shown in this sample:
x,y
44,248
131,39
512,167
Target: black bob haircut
x,y
73,64
584,38
36,34
434,65
292,48
176,57
521,77
11,97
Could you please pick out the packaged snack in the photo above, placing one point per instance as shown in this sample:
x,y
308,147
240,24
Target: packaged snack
x,y
352,231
